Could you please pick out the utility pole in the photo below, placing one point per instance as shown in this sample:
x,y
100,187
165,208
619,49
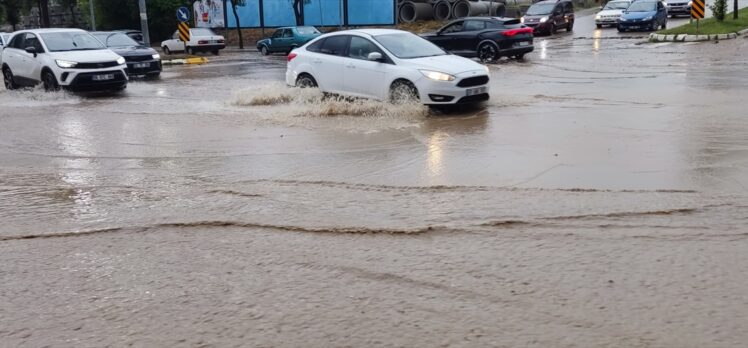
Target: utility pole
x,y
93,16
144,23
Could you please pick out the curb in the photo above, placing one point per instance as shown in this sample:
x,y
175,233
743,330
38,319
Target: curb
x,y
654,37
191,60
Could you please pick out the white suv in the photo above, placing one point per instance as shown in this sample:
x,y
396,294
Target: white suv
x,y
68,58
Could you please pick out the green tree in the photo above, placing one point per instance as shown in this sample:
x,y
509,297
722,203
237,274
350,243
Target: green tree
x,y
234,5
719,9
12,9
124,14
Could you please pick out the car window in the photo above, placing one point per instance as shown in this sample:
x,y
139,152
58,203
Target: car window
x,y
287,33
453,28
315,46
202,32
175,36
17,41
278,33
616,5
659,6
540,9
307,30
474,25
360,48
135,36
335,45
32,41
407,46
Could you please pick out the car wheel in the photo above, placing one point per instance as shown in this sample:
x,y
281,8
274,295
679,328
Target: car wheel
x,y
570,26
264,50
487,52
166,50
50,82
520,56
599,26
664,25
10,84
306,81
402,92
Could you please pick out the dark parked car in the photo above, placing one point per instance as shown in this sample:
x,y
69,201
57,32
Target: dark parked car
x,y
141,60
488,38
643,15
286,39
548,16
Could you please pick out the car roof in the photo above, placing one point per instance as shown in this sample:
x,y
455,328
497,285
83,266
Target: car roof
x,y
371,32
501,19
52,30
551,2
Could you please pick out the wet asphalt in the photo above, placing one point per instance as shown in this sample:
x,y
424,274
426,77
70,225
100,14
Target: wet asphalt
x,y
598,199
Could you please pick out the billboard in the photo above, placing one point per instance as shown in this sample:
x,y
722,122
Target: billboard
x,y
279,13
208,14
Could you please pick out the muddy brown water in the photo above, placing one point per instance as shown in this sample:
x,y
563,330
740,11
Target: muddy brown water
x,y
598,199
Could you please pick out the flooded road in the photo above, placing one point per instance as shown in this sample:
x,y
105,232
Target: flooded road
x,y
598,199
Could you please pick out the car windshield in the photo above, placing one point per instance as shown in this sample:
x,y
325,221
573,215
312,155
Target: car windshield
x,y
640,6
307,30
202,32
407,45
116,40
71,41
540,9
617,5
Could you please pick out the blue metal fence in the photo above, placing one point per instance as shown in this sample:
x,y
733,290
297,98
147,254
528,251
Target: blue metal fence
x,y
277,13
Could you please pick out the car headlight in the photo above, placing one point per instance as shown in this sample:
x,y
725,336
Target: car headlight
x,y
120,60
544,19
690,3
65,64
648,18
156,56
622,19
522,19
437,76
598,17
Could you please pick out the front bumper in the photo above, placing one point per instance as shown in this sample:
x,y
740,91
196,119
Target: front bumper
x,y
136,68
636,25
679,10
455,92
607,21
83,80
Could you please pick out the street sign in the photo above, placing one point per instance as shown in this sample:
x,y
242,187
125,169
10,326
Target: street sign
x,y
184,31
697,9
183,14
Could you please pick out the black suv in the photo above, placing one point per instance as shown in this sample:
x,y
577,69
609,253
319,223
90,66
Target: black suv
x,y
548,16
488,38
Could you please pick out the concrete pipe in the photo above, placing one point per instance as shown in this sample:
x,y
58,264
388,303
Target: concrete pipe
x,y
465,8
497,9
413,11
443,10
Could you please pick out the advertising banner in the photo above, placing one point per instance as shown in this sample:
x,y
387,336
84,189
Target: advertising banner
x,y
209,14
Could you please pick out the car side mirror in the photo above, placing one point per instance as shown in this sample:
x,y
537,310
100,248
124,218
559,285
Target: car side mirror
x,y
375,57
31,50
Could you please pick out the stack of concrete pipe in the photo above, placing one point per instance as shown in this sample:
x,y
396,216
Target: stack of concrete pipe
x,y
417,10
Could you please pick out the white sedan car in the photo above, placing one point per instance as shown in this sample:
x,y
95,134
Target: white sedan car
x,y
201,40
386,64
611,13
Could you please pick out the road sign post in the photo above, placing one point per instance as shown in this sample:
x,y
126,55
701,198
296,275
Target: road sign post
x,y
183,16
697,12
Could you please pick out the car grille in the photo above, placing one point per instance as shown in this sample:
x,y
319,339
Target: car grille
x,y
677,4
99,65
473,81
139,58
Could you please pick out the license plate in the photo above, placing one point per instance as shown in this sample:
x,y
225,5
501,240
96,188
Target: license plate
x,y
475,91
141,65
103,77
523,43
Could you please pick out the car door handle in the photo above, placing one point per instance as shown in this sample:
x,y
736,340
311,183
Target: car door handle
x,y
350,66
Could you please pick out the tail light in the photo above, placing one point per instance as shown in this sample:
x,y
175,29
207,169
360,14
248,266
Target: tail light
x,y
202,42
513,32
291,56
